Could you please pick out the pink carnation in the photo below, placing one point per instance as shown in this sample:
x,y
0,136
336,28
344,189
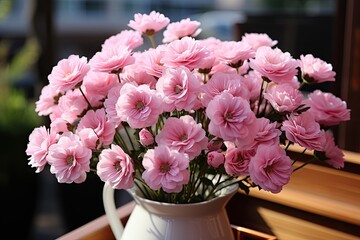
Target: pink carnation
x,y
327,109
69,159
112,59
231,118
47,101
257,40
266,132
165,168
234,53
224,82
270,168
68,73
215,159
130,38
184,135
110,105
335,156
95,130
116,168
185,52
150,59
315,70
145,137
149,24
304,130
275,65
71,106
284,98
40,140
139,106
183,28
137,75
237,161
180,89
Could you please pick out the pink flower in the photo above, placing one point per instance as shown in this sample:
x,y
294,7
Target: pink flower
x,y
224,82
184,135
96,86
266,133
68,73
110,105
304,130
146,138
139,106
40,140
150,59
183,28
116,168
47,101
237,161
149,24
72,105
95,130
234,53
185,52
334,155
215,158
284,98
252,82
69,159
257,40
215,144
231,118
165,168
136,74
112,59
270,168
275,65
179,88
315,70
327,109
130,38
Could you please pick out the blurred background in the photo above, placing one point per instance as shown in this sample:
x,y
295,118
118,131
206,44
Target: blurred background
x,y
36,34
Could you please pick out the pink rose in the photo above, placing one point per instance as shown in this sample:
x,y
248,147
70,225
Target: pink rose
x,y
270,168
327,109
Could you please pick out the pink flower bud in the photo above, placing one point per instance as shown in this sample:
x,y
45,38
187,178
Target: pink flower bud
x,y
215,144
215,159
146,138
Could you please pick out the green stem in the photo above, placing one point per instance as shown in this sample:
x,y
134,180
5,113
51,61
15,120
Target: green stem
x,y
82,93
152,40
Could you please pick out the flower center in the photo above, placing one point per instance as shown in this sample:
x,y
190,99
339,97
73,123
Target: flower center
x,y
140,106
69,160
228,115
117,166
178,88
183,137
164,168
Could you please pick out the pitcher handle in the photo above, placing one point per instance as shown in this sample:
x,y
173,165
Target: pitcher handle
x,y
110,211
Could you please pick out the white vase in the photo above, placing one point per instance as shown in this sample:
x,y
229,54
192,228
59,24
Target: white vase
x,y
152,220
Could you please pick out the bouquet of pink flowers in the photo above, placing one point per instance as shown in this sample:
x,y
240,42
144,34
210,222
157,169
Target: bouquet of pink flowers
x,y
185,118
